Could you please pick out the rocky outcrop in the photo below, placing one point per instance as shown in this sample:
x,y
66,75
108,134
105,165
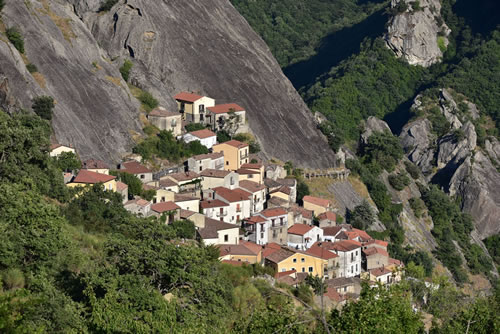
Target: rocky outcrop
x,y
201,46
207,47
416,32
416,137
456,146
373,125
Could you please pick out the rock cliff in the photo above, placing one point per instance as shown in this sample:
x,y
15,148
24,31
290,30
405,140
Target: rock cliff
x,y
200,46
416,31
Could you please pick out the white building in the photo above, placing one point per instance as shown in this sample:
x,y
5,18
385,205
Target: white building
x,y
206,137
57,149
215,209
257,228
219,115
349,252
213,178
239,203
201,162
258,192
301,236
216,232
277,224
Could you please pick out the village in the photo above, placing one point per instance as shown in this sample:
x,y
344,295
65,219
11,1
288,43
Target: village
x,y
244,205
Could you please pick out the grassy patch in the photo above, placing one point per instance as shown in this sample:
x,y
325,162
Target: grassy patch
x,y
441,44
63,24
40,79
114,80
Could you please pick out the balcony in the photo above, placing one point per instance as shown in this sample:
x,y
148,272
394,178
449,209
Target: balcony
x,y
238,209
219,166
221,214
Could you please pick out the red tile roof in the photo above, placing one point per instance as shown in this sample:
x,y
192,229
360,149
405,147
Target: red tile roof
x,y
215,173
299,229
88,177
255,219
234,250
283,189
317,201
279,255
212,226
362,234
375,250
162,112
252,166
208,156
225,108
187,97
231,195
380,271
327,216
243,193
164,206
235,143
346,245
242,171
395,262
332,294
94,164
285,273
206,204
308,214
184,198
185,214
184,176
377,242
269,249
273,212
321,252
256,249
120,186
133,167
167,183
332,230
202,134
251,186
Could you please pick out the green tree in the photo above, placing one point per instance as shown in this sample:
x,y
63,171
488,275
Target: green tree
x,y
190,127
133,182
183,229
148,101
16,38
361,216
223,136
384,149
67,161
125,69
399,181
43,106
302,190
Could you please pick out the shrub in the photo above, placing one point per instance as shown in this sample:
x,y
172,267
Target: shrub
x,y
31,68
400,181
107,5
148,101
194,127
13,278
125,69
223,136
15,37
43,106
412,170
417,205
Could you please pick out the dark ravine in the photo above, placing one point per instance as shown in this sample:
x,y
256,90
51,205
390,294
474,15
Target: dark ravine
x,y
202,46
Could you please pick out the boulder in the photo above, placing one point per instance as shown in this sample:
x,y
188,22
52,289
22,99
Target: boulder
x,y
417,138
452,148
373,125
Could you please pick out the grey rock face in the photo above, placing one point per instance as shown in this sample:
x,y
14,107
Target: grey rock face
x,y
413,34
492,146
452,148
94,110
478,184
416,140
207,47
448,108
373,125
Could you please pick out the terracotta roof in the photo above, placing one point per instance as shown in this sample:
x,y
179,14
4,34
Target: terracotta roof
x,y
375,250
164,206
287,182
279,255
54,146
243,193
256,249
342,281
395,262
327,216
148,187
251,186
235,143
184,198
138,201
332,294
377,242
380,271
252,166
188,97
270,183
208,156
321,252
332,230
234,250
225,108
283,189
215,173
133,167
255,219
167,183
299,229
88,177
308,214
246,171
363,235
94,164
346,245
215,203
285,273
187,213
202,134
212,226
317,201
162,112
120,186
231,195
269,249
273,212
184,176
276,201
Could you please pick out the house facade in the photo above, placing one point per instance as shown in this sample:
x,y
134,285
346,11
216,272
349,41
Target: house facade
x,y
213,178
193,107
87,178
349,252
219,115
138,206
302,236
96,166
216,232
235,153
167,210
215,209
277,224
287,260
316,204
206,137
57,149
258,192
166,120
257,229
140,171
199,163
239,204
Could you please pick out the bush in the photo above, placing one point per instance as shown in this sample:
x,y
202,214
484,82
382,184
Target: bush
x,y
43,106
107,5
31,68
382,149
223,136
361,217
125,69
400,181
412,170
418,206
194,127
67,161
15,37
148,101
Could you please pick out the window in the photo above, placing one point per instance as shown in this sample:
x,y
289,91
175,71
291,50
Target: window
x,y
352,257
283,270
294,260
201,168
352,269
202,108
303,269
262,235
227,163
345,289
232,180
110,187
310,269
226,238
303,260
163,199
356,253
356,267
142,176
281,221
292,268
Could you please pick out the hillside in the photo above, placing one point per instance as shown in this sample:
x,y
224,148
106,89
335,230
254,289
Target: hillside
x,y
78,52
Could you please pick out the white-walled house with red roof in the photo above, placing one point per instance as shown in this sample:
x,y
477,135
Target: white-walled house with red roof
x,y
302,237
219,114
239,203
276,224
206,137
193,107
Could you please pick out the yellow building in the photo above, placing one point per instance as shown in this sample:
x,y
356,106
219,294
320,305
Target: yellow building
x,y
193,107
286,259
256,168
97,166
86,177
316,204
246,252
282,192
235,153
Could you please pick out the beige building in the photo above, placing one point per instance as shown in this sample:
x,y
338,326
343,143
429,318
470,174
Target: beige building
x,y
283,192
167,210
258,192
57,149
97,166
197,218
216,232
161,195
186,202
219,115
212,178
166,120
235,153
193,107
327,219
188,182
199,163
87,178
331,268
138,206
316,204
276,225
256,168
374,257
245,251
140,171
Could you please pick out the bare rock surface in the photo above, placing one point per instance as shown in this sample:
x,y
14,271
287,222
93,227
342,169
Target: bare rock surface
x,y
413,33
373,125
416,138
